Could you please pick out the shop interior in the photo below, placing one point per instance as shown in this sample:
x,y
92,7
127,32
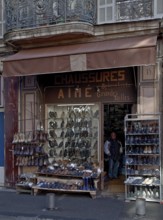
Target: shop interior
x,y
114,115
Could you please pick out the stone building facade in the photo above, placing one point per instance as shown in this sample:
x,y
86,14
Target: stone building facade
x,y
78,37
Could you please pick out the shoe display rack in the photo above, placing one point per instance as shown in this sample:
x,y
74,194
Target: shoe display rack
x,y
143,157
25,183
66,180
73,132
29,152
72,149
28,155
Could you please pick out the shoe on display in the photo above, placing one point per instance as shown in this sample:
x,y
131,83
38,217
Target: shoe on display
x,y
62,134
149,150
128,140
156,181
144,194
137,180
139,161
60,144
145,181
154,149
62,124
157,194
137,150
53,125
136,172
157,150
15,139
148,194
149,181
135,191
141,150
157,172
31,150
157,140
129,180
21,137
141,172
27,152
151,193
145,150
52,134
157,161
149,172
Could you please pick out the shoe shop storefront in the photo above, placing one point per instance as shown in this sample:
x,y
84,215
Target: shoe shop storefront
x,y
61,103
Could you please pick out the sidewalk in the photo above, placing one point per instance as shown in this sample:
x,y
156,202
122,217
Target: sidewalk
x,y
72,207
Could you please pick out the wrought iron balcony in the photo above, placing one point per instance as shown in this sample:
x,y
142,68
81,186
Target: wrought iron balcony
x,y
34,13
134,9
22,14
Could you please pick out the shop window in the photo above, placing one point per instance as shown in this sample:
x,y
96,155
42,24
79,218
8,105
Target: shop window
x,y
1,91
73,132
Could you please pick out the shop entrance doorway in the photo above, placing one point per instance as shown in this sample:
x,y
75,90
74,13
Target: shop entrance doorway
x,y
114,115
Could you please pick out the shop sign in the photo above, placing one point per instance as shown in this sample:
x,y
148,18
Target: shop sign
x,y
112,85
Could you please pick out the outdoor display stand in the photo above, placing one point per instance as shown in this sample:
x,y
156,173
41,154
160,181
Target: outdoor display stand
x,y
66,155
143,157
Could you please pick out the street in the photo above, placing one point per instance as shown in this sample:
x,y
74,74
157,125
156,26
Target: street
x,y
72,207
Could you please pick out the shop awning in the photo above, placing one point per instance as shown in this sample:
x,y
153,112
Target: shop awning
x,y
122,52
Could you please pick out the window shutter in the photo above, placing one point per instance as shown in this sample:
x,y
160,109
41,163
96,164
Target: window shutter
x,y
159,8
105,11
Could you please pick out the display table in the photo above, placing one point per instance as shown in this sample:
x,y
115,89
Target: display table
x,y
65,183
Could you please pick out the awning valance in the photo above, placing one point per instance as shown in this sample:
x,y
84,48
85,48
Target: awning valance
x,y
122,52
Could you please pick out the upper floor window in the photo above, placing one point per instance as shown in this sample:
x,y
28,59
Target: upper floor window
x,y
105,11
127,10
1,18
158,7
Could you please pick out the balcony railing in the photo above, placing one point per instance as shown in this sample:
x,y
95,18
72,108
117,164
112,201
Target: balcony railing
x,y
134,9
33,13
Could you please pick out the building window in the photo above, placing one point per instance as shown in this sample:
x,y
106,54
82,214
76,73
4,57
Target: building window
x,y
110,11
105,11
158,8
1,91
1,18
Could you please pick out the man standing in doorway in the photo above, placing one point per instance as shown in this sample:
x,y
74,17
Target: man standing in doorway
x,y
113,151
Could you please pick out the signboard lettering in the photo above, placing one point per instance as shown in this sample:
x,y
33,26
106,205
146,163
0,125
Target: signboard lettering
x,y
113,85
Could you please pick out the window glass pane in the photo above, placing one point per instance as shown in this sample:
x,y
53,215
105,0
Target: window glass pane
x,y
102,2
159,6
1,30
0,13
109,14
109,1
102,15
4,27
